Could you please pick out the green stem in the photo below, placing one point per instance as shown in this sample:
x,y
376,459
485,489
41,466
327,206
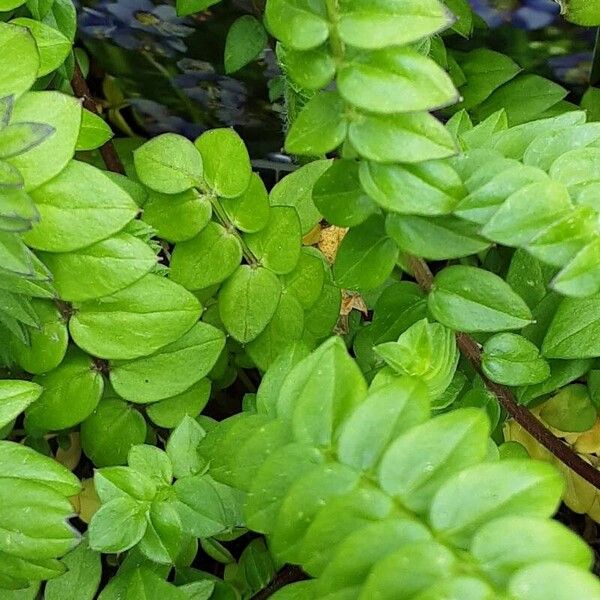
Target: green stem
x,y
222,217
335,42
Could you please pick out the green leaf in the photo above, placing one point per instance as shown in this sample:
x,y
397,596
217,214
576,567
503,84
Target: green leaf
x,y
207,259
538,541
435,238
339,197
100,269
23,463
245,41
581,276
94,132
471,299
41,533
189,7
362,550
320,127
485,71
110,431
581,12
18,138
365,245
418,462
169,413
177,217
306,281
386,413
278,244
299,24
513,487
553,580
430,188
399,306
285,327
82,578
409,138
426,351
123,482
570,337
205,506
273,480
310,69
541,94
48,159
47,345
248,301
118,525
393,80
571,409
71,393
409,570
182,448
53,46
15,397
527,213
371,24
510,359
320,392
152,462
250,211
171,370
135,321
168,163
163,537
79,207
22,59
309,494
227,168
296,190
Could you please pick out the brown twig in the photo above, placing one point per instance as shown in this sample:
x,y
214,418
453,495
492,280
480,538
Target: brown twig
x,y
288,574
107,151
471,350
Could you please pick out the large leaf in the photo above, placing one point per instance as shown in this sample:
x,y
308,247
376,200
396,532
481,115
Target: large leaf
x,y
471,299
575,329
77,208
135,321
100,269
21,58
372,24
46,160
172,370
395,80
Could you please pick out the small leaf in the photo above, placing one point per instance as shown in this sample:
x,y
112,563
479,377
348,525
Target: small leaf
x,y
94,132
571,409
471,299
168,163
15,397
365,245
299,24
171,370
320,127
510,359
22,58
227,168
182,448
117,526
245,41
248,301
